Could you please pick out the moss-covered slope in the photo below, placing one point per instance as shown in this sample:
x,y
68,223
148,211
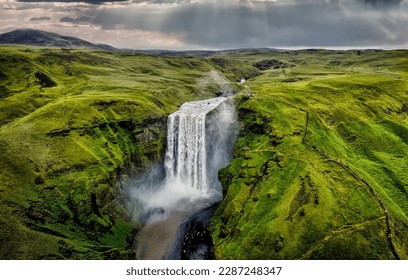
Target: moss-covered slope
x,y
320,166
71,121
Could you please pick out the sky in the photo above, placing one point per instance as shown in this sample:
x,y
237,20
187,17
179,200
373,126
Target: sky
x,y
215,25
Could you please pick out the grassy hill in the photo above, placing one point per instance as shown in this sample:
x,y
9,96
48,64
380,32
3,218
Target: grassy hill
x,y
34,37
319,168
71,122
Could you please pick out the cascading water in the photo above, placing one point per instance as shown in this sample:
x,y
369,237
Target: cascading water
x,y
200,138
186,156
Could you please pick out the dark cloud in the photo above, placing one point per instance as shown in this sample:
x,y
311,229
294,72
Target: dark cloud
x,y
83,19
73,1
239,23
264,24
164,1
40,18
381,3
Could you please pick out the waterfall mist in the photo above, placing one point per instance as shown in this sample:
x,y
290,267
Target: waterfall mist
x,y
200,138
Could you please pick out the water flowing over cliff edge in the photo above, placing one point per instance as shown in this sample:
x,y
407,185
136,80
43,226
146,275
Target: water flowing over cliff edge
x,y
200,137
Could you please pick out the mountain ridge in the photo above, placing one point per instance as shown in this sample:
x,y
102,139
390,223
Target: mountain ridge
x,y
36,37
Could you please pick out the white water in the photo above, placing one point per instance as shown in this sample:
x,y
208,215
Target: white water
x,y
242,81
199,143
200,138
186,156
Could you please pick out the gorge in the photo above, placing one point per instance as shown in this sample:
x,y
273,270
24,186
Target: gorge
x,y
200,138
317,171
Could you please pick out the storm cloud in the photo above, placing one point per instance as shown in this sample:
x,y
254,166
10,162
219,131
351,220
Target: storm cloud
x,y
74,1
381,2
39,18
83,19
230,23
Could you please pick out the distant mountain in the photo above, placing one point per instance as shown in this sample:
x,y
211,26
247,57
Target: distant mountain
x,y
158,52
48,39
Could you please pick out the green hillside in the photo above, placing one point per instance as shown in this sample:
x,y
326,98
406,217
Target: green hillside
x,y
319,168
71,121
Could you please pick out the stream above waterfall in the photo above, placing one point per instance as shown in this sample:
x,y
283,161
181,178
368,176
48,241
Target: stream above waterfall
x,y
200,138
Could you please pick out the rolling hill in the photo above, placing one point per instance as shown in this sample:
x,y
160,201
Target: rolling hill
x,y
35,37
319,167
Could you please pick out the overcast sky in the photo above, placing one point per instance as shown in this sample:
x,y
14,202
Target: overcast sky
x,y
210,24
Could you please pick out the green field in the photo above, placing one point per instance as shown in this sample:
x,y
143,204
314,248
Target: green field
x,y
319,168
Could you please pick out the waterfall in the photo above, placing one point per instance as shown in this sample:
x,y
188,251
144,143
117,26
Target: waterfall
x,y
200,138
186,156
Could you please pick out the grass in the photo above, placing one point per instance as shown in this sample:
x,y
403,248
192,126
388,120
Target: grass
x,y
65,144
334,126
319,167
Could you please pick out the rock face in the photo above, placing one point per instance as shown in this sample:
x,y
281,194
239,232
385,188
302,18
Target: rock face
x,y
271,63
44,80
197,243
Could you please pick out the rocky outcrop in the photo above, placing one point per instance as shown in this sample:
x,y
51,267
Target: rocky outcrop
x,y
43,80
271,63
